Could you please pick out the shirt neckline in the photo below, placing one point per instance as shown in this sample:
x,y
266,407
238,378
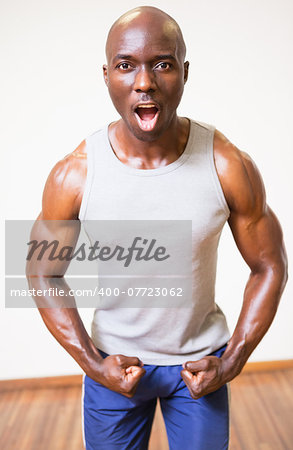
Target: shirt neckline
x,y
150,172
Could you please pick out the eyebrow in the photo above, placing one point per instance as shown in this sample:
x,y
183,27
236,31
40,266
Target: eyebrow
x,y
157,57
168,56
122,56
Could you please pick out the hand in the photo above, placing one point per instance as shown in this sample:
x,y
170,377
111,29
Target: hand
x,y
203,376
120,374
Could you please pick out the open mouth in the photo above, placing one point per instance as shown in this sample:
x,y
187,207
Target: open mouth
x,y
147,116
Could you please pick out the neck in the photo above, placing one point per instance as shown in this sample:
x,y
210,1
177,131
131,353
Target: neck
x,y
149,154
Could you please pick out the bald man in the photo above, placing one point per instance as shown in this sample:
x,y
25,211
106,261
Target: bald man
x,y
153,165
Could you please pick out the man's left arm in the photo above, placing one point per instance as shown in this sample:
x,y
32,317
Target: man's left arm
x,y
258,236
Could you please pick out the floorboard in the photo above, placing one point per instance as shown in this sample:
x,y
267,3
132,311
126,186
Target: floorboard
x,y
50,418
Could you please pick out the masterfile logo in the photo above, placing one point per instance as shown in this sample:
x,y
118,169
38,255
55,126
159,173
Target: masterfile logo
x,y
146,251
99,263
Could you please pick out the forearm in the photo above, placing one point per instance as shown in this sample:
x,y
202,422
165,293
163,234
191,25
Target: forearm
x,y
261,298
61,317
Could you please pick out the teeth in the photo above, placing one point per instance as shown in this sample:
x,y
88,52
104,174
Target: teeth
x,y
146,106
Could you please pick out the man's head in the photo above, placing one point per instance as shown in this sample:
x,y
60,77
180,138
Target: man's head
x,y
145,71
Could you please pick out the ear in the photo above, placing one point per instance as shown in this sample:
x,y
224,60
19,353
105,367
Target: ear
x,y
186,68
105,72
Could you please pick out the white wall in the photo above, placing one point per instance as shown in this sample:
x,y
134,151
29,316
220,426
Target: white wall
x,y
53,96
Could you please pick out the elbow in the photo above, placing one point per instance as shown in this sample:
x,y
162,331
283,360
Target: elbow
x,y
284,265
284,268
28,274
274,274
279,274
285,274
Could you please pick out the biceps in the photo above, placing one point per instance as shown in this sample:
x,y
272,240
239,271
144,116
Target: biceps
x,y
259,239
51,247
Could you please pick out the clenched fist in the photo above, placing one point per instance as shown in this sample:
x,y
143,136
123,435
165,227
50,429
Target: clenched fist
x,y
203,376
120,374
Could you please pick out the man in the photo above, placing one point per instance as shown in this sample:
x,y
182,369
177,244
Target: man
x,y
152,164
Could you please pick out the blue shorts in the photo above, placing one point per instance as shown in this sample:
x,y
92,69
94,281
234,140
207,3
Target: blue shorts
x,y
113,421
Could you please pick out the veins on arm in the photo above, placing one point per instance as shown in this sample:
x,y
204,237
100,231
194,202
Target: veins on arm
x,y
258,236
60,207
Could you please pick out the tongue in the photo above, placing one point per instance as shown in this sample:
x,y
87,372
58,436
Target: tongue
x,y
147,113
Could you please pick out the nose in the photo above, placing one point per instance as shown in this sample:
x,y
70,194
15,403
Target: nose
x,y
144,80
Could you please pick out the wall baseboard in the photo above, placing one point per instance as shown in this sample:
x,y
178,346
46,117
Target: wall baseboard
x,y
41,383
267,366
76,380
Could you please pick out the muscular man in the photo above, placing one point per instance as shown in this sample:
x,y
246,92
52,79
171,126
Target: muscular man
x,y
152,164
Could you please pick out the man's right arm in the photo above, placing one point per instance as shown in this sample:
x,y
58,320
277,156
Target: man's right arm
x,y
61,203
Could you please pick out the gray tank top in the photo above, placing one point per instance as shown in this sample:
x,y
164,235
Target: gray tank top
x,y
186,189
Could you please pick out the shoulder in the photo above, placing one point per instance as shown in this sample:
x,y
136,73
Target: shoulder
x,y
239,176
64,187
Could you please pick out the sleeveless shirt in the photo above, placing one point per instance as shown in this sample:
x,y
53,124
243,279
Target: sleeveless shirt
x,y
186,189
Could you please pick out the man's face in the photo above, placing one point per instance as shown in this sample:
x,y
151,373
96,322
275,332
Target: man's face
x,y
145,76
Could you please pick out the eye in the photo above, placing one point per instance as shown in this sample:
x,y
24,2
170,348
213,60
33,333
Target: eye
x,y
163,65
123,66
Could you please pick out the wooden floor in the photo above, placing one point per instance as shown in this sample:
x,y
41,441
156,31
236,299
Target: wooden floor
x,y
50,419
